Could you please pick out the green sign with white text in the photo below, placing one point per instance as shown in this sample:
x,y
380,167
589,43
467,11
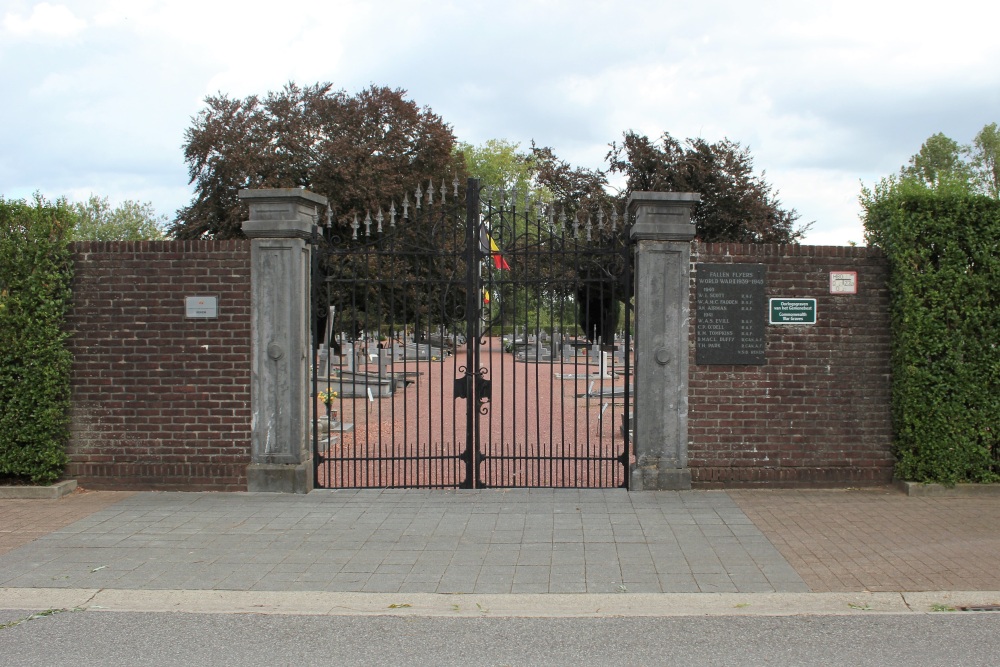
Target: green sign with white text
x,y
793,311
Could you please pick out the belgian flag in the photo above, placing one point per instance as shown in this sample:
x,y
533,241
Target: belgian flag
x,y
489,246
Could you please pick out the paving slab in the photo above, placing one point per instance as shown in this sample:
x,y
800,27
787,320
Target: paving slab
x,y
505,542
25,520
880,539
384,540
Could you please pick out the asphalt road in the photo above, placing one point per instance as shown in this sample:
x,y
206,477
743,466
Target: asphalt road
x,y
104,638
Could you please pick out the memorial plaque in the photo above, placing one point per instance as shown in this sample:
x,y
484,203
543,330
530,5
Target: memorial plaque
x,y
732,314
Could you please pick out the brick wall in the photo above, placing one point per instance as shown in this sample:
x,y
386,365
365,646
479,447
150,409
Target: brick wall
x,y
818,411
160,401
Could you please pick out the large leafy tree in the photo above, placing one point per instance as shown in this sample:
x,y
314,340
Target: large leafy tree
x,y
940,160
97,220
583,197
986,160
943,163
499,164
358,150
736,203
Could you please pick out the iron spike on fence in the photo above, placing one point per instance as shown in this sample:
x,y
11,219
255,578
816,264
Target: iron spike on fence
x,y
379,218
614,219
600,221
329,217
392,215
368,223
576,225
355,226
418,196
406,206
562,220
444,191
430,192
454,184
589,226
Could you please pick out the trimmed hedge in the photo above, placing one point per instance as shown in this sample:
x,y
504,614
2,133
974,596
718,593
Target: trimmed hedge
x,y
944,251
35,364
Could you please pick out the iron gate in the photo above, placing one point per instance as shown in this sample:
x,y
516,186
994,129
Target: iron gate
x,y
467,339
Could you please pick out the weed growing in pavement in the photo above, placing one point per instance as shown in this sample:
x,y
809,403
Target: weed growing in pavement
x,y
40,614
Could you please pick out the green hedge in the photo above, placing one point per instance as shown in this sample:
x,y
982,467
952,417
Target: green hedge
x,y
944,252
35,273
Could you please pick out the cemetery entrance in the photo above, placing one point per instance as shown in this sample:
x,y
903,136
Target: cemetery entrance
x,y
465,338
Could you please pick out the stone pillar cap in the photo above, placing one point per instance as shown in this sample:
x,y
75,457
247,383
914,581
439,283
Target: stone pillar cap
x,y
283,194
662,216
282,212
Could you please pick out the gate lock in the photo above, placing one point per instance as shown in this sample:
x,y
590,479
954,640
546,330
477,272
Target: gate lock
x,y
484,388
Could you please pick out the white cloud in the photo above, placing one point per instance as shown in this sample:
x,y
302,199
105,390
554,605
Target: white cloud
x,y
45,20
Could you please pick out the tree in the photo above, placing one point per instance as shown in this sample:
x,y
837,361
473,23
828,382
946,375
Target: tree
x,y
359,151
736,204
942,162
129,221
986,160
582,195
499,165
939,160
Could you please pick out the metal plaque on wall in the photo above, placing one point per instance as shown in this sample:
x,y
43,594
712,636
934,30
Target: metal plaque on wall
x,y
731,314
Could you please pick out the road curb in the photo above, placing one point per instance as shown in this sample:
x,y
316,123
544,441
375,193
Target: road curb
x,y
497,606
940,490
53,492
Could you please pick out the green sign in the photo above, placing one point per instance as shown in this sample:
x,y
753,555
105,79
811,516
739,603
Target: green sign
x,y
793,311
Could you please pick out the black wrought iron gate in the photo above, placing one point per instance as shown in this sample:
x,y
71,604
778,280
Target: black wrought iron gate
x,y
471,339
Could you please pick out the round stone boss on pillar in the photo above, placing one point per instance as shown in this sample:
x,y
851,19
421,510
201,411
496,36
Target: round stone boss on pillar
x,y
281,222
662,231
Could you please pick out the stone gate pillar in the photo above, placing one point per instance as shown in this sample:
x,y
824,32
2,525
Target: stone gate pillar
x,y
662,230
281,221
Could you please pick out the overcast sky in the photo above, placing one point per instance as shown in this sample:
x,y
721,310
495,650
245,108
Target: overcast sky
x,y
97,93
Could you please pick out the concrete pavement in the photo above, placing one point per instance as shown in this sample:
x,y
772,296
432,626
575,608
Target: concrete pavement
x,y
517,552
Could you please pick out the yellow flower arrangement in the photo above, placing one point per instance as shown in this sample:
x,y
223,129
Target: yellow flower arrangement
x,y
327,397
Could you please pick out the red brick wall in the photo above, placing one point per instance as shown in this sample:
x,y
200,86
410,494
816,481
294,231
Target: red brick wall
x,y
160,401
818,411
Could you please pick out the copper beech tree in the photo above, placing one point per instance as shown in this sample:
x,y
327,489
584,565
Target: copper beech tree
x,y
737,205
357,150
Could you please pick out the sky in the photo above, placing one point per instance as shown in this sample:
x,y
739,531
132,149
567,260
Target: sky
x,y
97,94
